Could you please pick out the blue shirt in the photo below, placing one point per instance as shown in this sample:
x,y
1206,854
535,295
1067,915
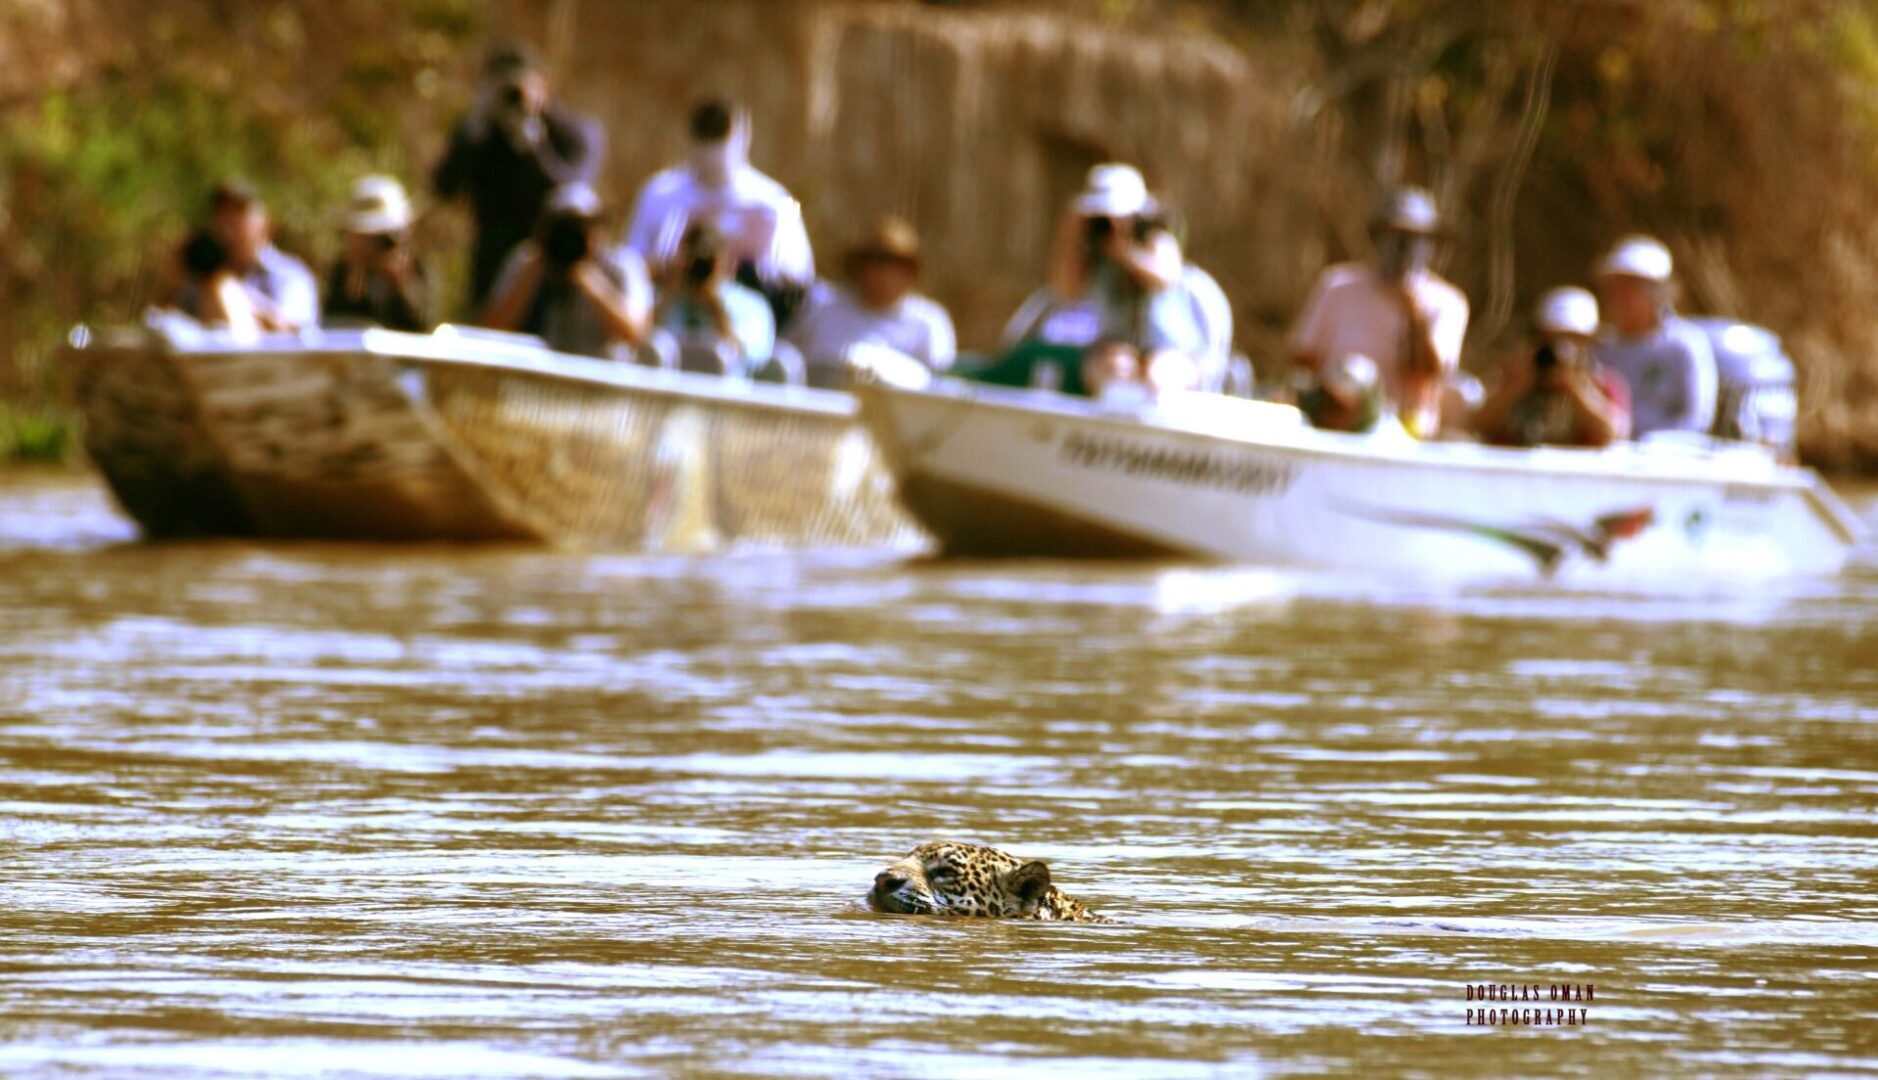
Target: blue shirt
x,y
751,322
1672,378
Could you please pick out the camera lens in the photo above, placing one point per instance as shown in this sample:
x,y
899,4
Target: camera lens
x,y
512,96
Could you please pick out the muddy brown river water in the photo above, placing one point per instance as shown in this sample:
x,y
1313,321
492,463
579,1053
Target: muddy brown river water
x,y
335,811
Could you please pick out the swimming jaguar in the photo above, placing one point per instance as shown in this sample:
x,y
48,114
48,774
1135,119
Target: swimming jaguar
x,y
951,878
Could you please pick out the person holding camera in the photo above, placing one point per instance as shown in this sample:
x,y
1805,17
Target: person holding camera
x,y
1395,310
281,294
1560,395
378,281
516,146
713,323
1112,255
209,289
568,288
759,220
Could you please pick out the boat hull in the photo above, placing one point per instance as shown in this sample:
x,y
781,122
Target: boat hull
x,y
990,471
384,436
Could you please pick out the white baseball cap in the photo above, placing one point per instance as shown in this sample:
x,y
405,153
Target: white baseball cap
x,y
1114,190
576,199
378,205
1350,376
1567,310
1409,210
1639,257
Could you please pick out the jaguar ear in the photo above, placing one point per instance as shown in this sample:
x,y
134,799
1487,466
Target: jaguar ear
x,y
1029,882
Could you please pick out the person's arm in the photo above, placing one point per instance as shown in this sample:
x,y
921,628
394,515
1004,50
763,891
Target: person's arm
x,y
226,300
1069,256
338,285
573,149
452,175
755,329
1698,382
617,312
1514,383
790,256
1596,425
411,293
298,305
515,290
942,344
1154,261
1309,336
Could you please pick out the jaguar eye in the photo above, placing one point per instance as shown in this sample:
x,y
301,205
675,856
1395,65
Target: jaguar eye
x,y
940,874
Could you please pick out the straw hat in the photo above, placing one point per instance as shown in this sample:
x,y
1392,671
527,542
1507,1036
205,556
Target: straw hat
x,y
1114,190
891,237
378,205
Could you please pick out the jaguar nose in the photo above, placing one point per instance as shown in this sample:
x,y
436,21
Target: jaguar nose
x,y
887,881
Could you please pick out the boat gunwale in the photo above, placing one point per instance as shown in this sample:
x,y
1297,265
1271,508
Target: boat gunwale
x,y
449,350
1457,456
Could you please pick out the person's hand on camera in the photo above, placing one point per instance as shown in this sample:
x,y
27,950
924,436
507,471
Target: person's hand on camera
x,y
392,258
1119,244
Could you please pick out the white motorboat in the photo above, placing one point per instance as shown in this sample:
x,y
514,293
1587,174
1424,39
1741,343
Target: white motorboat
x,y
997,471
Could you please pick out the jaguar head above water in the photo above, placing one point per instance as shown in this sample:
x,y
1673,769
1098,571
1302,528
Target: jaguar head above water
x,y
951,878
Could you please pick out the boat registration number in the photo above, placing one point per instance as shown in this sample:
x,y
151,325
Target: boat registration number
x,y
1194,468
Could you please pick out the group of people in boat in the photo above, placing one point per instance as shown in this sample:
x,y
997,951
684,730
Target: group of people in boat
x,y
1382,342
715,272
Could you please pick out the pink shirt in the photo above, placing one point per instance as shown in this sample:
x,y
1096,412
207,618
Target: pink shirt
x,y
1352,310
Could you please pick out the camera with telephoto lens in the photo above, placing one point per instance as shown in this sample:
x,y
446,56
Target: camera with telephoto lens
x,y
565,241
512,97
1546,360
386,242
699,269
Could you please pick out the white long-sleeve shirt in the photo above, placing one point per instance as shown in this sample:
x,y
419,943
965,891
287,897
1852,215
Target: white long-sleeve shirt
x,y
758,217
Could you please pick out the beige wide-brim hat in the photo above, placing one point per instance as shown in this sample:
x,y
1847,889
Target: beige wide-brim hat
x,y
891,238
378,205
1114,190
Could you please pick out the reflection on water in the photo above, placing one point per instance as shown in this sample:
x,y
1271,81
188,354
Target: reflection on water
x,y
335,810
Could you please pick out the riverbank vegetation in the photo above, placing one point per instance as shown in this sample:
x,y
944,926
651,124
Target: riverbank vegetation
x,y
1745,132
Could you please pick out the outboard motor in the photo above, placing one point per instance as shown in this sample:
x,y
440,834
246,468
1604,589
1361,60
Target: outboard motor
x,y
1758,398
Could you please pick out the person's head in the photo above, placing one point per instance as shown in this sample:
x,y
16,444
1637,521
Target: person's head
x,y
515,79
720,141
239,222
703,254
1567,320
377,215
1109,361
1114,197
569,229
1404,230
885,266
203,256
1633,278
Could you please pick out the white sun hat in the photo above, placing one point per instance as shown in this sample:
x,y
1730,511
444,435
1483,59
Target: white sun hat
x,y
1567,310
378,205
1114,190
1639,257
